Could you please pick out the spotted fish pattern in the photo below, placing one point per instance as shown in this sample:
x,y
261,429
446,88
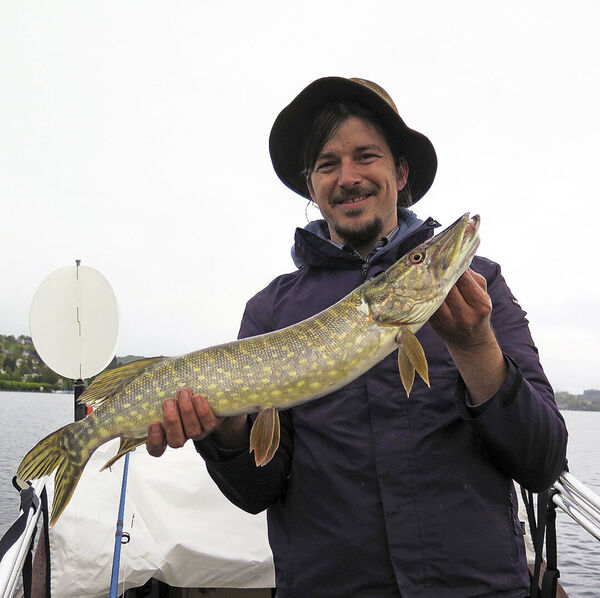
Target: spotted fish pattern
x,y
269,372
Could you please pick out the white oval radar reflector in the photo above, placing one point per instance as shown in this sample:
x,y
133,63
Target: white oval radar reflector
x,y
74,322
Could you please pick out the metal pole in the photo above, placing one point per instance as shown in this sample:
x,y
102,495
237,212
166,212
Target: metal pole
x,y
80,409
114,579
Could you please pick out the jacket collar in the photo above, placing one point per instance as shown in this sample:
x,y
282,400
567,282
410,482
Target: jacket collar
x,y
312,246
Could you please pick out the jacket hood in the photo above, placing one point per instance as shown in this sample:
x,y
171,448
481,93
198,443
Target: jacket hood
x,y
312,244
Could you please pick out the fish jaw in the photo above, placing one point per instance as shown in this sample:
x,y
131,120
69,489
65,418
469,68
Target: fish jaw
x,y
410,291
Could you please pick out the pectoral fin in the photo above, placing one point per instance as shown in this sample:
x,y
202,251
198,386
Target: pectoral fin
x,y
127,444
411,357
264,436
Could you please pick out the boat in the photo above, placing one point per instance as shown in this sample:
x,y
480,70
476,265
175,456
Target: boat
x,y
181,534
178,529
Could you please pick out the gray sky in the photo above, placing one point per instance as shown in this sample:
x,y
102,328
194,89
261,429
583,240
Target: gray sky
x,y
133,136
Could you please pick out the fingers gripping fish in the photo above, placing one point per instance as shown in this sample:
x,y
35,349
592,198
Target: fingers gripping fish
x,y
268,372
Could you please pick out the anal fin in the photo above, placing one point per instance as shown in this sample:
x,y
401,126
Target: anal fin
x,y
411,357
127,444
265,436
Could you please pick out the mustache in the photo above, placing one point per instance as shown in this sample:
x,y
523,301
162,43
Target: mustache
x,y
352,193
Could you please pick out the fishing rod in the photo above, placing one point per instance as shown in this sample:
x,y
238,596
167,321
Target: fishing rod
x,y
119,535
579,502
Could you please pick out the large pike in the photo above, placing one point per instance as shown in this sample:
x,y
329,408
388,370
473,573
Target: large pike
x,y
269,372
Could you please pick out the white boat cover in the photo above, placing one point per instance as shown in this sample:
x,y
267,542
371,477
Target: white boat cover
x,y
183,531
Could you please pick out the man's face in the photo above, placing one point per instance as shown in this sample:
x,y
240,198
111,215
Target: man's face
x,y
355,183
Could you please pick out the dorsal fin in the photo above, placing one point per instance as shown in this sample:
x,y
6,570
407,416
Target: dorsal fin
x,y
111,381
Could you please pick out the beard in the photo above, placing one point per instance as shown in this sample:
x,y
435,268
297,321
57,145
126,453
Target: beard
x,y
367,234
362,237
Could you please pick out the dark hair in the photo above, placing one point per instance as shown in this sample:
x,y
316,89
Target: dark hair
x,y
324,127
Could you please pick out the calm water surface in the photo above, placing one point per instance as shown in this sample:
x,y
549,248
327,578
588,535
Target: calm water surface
x,y
25,418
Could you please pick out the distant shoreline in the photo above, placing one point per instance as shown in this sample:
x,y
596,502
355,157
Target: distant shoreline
x,y
22,370
586,408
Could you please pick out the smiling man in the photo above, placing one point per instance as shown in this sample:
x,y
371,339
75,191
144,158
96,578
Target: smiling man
x,y
355,182
372,494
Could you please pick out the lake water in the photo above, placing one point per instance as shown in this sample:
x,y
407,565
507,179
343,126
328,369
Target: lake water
x,y
25,418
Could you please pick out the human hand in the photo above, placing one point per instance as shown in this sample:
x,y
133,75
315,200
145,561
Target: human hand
x,y
190,416
463,319
463,322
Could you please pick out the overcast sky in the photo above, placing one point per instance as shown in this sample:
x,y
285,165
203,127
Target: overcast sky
x,y
133,136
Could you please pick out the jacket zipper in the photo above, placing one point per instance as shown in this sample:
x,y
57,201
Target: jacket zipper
x,y
429,223
364,270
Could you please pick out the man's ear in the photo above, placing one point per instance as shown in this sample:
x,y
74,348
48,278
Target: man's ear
x,y
401,173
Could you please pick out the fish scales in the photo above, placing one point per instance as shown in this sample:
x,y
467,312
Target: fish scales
x,y
268,372
277,370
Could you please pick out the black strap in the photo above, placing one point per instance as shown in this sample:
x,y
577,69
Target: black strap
x,y
29,560
543,525
538,541
46,537
28,568
528,500
29,500
551,575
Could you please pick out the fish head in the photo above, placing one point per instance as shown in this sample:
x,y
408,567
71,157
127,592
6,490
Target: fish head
x,y
411,290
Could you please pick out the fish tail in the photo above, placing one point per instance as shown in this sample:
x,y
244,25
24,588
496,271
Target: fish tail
x,y
50,454
65,481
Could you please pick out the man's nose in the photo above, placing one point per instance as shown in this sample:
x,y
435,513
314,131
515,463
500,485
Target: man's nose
x,y
348,174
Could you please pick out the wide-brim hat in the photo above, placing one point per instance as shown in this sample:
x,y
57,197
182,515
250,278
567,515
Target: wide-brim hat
x,y
294,122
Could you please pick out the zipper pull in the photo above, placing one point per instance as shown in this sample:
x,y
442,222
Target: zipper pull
x,y
364,270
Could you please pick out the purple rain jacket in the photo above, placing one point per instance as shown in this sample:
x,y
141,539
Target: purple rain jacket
x,y
372,494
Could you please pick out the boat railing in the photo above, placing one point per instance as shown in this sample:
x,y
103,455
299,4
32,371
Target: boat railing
x,y
579,502
13,560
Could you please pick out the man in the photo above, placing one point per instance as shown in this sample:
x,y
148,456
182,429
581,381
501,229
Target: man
x,y
372,494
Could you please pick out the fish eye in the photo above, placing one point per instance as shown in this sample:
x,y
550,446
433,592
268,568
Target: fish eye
x,y
417,257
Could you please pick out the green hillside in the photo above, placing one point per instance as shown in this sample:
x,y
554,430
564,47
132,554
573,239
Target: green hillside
x,y
22,369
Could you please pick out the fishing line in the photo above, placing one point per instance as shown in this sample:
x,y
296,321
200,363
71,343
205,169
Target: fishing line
x,y
311,204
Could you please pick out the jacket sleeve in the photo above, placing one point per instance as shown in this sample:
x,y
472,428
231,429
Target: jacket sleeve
x,y
249,487
520,426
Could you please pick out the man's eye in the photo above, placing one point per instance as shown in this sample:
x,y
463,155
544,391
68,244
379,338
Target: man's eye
x,y
365,157
323,166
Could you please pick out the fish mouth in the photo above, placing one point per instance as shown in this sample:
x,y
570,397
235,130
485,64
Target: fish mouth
x,y
457,245
472,227
471,234
470,237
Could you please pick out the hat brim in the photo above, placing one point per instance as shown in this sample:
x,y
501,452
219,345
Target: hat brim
x,y
290,127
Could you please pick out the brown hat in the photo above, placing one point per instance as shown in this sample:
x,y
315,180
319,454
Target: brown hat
x,y
295,120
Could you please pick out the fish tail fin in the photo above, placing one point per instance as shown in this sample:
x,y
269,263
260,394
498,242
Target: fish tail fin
x,y
65,481
43,458
48,455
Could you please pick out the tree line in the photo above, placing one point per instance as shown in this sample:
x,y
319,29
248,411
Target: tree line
x,y
21,368
588,401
